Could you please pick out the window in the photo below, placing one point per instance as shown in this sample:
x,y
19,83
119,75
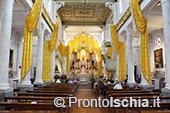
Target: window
x,y
121,6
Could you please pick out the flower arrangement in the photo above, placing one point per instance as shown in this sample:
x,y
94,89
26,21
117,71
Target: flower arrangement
x,y
63,76
72,67
56,76
93,66
77,60
88,60
82,65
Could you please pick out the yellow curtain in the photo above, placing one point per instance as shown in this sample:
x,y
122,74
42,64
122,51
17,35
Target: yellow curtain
x,y
46,62
53,41
119,47
100,64
30,24
64,50
109,53
83,40
141,24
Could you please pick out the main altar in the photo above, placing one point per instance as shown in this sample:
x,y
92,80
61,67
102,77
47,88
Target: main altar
x,y
84,62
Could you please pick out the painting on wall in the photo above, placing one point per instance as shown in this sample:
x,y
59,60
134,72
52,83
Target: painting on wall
x,y
158,57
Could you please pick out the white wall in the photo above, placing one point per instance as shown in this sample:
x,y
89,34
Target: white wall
x,y
153,47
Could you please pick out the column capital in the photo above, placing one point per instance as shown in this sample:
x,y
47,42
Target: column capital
x,y
43,28
129,29
145,14
48,37
163,1
110,6
59,5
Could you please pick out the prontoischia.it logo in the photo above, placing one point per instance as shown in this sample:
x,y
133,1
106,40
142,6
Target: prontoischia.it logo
x,y
111,102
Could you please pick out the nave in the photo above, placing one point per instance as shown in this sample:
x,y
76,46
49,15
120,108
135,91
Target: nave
x,y
41,100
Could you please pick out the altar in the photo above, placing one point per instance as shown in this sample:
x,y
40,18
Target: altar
x,y
84,78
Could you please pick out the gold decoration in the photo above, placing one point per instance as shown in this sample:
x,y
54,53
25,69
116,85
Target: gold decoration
x,y
141,24
64,50
119,47
53,41
30,24
46,62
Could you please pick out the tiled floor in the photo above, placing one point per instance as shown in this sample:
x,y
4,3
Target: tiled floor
x,y
86,94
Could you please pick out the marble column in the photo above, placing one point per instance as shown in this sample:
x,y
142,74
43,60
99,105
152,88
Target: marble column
x,y
19,51
129,41
6,7
26,84
40,53
166,24
63,34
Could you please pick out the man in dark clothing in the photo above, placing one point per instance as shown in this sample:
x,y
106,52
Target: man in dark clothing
x,y
105,86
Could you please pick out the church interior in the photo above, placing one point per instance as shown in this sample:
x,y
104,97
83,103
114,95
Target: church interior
x,y
85,49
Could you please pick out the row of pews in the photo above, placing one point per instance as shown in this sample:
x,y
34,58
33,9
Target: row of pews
x,y
139,95
39,100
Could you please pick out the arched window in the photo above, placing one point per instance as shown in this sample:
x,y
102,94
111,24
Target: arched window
x,y
121,5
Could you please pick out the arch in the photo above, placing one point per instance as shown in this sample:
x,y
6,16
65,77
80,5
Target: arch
x,y
84,40
60,57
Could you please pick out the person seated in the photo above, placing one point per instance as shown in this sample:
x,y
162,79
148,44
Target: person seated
x,y
58,81
75,80
70,82
95,86
136,86
66,81
100,81
118,85
62,81
105,86
112,83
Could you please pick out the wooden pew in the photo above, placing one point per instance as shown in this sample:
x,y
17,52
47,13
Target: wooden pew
x,y
134,94
158,111
28,106
108,92
44,94
11,111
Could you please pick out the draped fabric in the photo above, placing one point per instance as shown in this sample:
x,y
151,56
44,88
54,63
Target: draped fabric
x,y
100,64
46,62
141,24
64,50
109,53
83,40
30,23
119,47
53,41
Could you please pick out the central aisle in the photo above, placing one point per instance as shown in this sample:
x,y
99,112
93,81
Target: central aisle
x,y
85,92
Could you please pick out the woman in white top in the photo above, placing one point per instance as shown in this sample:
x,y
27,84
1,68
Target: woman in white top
x,y
118,85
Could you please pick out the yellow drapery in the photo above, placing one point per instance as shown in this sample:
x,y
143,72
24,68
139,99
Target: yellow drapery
x,y
53,41
46,62
64,50
119,47
141,24
109,53
30,24
83,39
100,64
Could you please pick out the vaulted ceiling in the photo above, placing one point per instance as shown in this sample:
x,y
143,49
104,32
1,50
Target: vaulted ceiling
x,y
84,12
